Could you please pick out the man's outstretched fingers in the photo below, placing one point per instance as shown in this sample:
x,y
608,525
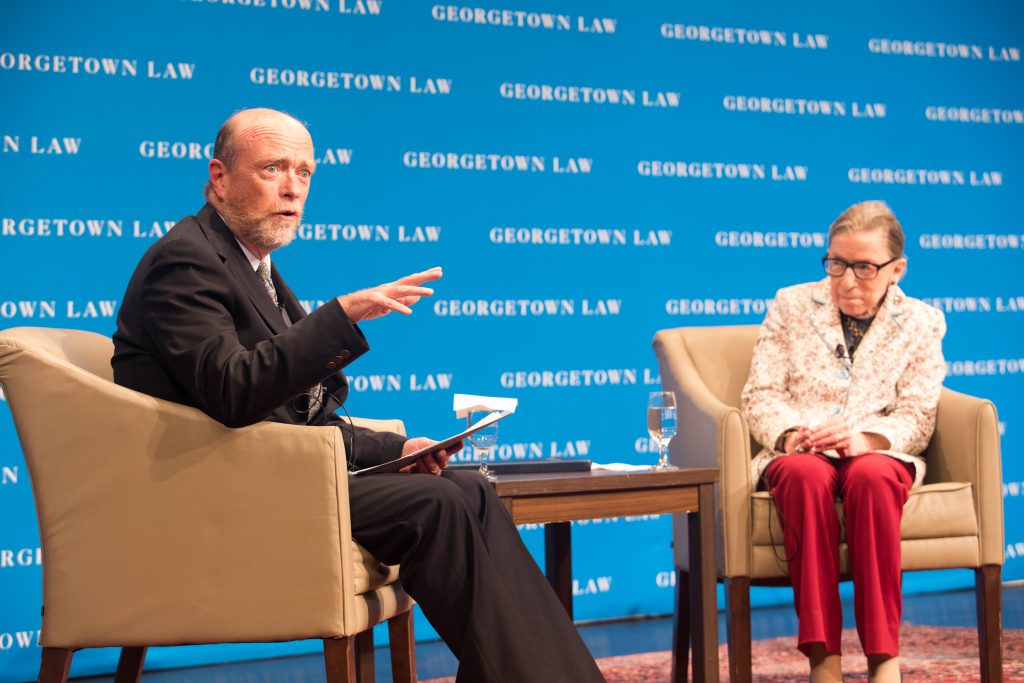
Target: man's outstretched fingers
x,y
434,273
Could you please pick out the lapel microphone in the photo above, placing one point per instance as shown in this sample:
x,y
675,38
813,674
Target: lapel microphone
x,y
841,353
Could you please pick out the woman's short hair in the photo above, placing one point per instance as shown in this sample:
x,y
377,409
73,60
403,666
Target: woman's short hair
x,y
870,215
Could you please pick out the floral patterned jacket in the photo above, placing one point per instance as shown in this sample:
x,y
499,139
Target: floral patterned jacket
x,y
891,388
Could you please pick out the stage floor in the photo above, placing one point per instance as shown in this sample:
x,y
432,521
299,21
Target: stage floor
x,y
604,640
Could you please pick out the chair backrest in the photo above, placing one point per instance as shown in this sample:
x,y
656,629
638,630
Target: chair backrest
x,y
50,378
86,350
704,366
721,356
47,374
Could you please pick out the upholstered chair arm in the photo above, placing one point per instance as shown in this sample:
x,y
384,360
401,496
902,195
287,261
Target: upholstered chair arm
x,y
965,447
710,434
396,426
187,530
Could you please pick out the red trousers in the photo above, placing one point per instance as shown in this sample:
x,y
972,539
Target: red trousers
x,y
873,488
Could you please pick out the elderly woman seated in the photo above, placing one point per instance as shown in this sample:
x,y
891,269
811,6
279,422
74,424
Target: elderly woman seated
x,y
842,392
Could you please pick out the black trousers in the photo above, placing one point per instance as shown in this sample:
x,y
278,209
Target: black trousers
x,y
464,562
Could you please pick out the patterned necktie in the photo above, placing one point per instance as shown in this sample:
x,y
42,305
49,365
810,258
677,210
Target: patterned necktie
x,y
316,392
263,270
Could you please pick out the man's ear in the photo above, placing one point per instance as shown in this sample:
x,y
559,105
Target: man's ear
x,y
218,174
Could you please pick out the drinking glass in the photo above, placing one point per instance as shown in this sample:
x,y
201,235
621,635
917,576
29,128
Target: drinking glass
x,y
661,423
484,442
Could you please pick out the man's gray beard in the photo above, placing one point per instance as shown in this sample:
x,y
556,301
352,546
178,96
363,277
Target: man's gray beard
x,y
261,232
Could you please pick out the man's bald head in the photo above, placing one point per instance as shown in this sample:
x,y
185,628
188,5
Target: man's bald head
x,y
260,176
241,126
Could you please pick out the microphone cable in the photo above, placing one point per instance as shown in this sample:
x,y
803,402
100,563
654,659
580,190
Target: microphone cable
x,y
350,452
313,405
773,504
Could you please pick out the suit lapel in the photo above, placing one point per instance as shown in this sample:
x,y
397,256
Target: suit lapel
x,y
824,318
238,265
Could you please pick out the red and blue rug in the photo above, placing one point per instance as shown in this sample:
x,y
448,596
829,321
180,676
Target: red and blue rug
x,y
935,654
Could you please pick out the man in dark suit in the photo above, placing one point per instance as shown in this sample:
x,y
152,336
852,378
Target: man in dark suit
x,y
207,321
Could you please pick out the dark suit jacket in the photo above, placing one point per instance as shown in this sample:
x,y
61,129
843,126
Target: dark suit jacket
x,y
197,327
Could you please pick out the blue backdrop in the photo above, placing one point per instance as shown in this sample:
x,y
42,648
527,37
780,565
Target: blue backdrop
x,y
586,173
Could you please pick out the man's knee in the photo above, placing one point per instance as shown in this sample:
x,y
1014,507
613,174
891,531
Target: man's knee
x,y
476,490
470,481
440,496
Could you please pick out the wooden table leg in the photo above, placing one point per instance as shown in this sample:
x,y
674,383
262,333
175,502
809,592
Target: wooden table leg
x,y
558,561
681,629
703,602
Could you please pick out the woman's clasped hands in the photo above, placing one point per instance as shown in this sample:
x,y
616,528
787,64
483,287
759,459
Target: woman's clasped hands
x,y
834,434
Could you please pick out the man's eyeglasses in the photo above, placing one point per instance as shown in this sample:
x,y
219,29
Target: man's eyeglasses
x,y
862,270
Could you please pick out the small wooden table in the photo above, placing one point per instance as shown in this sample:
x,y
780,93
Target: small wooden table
x,y
556,499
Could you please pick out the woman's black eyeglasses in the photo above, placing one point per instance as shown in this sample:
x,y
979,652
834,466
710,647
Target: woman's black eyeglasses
x,y
862,270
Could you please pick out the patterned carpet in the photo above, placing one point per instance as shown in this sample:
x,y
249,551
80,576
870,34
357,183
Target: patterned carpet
x,y
935,654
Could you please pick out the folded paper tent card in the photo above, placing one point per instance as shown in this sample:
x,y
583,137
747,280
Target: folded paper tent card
x,y
464,404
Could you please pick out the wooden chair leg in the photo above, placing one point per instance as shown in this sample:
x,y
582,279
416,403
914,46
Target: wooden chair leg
x,y
403,648
340,660
703,575
681,628
988,597
737,598
129,665
364,656
55,665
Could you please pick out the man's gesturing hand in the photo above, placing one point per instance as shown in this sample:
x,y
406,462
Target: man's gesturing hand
x,y
367,304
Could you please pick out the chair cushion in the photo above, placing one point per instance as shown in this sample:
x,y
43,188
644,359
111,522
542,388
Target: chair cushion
x,y
939,530
375,606
939,511
370,574
932,511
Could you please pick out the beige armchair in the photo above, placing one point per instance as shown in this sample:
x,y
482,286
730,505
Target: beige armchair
x,y
160,526
954,520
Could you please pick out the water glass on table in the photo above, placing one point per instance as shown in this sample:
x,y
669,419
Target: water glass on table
x,y
661,424
483,442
